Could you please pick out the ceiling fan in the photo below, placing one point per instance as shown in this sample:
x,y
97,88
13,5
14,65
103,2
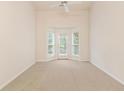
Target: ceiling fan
x,y
63,4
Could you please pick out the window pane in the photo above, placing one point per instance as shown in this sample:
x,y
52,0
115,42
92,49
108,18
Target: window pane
x,y
75,43
51,43
75,49
51,38
50,49
62,43
76,38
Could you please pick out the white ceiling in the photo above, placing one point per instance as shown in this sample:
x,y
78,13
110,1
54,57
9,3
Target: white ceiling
x,y
73,5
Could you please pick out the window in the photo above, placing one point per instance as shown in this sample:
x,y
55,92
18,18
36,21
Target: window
x,y
75,44
51,43
63,46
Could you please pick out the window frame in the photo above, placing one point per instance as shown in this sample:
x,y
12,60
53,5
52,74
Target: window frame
x,y
73,45
52,44
61,54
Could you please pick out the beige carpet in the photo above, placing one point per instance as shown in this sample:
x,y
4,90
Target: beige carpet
x,y
64,75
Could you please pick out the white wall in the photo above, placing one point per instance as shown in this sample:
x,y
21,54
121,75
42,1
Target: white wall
x,y
17,39
107,37
48,19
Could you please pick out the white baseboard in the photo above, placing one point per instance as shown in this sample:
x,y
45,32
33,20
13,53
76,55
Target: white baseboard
x,y
46,60
111,75
79,60
14,77
41,61
60,59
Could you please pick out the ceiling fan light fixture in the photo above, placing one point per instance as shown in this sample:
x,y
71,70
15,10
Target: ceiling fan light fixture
x,y
66,9
63,4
